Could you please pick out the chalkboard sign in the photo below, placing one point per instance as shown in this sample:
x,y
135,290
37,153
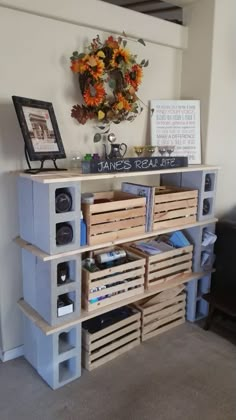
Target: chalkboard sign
x,y
133,164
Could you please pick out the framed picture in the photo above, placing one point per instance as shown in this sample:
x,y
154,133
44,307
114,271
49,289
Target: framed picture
x,y
176,123
39,128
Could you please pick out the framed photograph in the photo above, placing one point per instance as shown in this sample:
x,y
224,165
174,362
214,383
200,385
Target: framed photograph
x,y
39,128
176,123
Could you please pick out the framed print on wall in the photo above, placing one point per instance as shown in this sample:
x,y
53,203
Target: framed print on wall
x,y
39,128
177,123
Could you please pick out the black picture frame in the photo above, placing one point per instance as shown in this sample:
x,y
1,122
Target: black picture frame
x,y
38,123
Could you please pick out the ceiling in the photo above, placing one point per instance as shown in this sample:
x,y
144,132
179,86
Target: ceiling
x,y
170,10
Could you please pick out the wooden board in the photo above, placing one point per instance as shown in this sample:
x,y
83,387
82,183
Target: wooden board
x,y
167,229
85,315
76,175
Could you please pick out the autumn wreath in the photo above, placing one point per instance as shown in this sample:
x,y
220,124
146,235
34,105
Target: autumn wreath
x,y
109,78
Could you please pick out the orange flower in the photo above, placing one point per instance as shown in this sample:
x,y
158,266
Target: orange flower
x,y
112,43
119,55
122,103
79,65
94,94
95,66
134,77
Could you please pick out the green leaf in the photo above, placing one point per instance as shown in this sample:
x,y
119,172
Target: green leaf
x,y
116,122
152,111
97,137
146,64
124,34
141,109
119,40
75,53
81,55
142,62
124,43
141,41
112,83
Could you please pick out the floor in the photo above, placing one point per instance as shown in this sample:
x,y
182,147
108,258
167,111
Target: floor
x,y
185,374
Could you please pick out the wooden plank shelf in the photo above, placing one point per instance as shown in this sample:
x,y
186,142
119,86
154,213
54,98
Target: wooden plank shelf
x,y
74,175
47,257
85,315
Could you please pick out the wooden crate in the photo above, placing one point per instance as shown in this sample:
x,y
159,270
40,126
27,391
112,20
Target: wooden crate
x,y
121,217
110,342
173,206
162,312
166,265
122,281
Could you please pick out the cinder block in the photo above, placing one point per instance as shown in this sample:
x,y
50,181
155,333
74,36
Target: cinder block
x,y
38,216
197,308
57,357
41,290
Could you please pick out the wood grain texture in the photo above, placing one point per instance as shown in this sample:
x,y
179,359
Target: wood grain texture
x,y
85,315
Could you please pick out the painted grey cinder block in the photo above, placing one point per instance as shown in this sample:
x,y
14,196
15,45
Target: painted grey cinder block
x,y
38,217
196,180
57,357
41,290
196,307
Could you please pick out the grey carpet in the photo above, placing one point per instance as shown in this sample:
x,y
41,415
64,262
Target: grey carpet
x,y
185,374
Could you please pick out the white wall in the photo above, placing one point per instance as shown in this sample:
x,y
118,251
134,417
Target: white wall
x,y
221,138
35,52
209,74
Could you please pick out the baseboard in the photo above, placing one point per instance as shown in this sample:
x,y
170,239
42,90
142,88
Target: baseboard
x,y
11,354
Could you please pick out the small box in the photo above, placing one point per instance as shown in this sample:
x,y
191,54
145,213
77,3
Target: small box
x,y
114,215
162,312
108,343
173,206
165,266
113,284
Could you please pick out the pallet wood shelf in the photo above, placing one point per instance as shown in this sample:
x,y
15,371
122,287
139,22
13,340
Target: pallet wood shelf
x,y
74,175
47,257
85,315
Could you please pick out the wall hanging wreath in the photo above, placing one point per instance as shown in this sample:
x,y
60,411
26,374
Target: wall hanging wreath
x,y
109,78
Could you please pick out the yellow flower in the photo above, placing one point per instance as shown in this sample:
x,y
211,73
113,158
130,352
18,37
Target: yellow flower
x,y
101,115
95,66
122,103
101,54
120,55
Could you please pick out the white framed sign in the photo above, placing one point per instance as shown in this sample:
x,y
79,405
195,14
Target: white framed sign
x,y
177,123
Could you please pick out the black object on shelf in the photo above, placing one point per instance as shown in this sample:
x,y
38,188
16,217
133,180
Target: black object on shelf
x,y
63,273
208,183
64,300
136,164
206,207
64,234
63,201
107,319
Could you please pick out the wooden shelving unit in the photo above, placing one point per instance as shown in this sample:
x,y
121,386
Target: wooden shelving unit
x,y
85,315
58,346
47,257
75,175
